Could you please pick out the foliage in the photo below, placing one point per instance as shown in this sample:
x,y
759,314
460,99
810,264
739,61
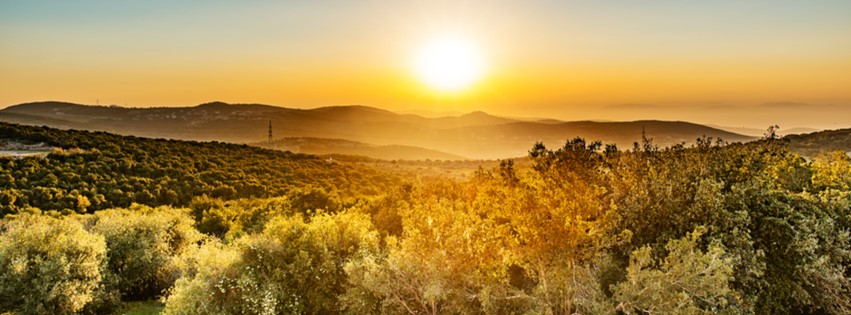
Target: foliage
x,y
106,171
449,260
812,144
203,266
292,267
142,246
687,281
830,171
579,229
576,232
48,265
233,218
143,308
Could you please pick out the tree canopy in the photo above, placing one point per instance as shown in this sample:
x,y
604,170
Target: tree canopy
x,y
584,228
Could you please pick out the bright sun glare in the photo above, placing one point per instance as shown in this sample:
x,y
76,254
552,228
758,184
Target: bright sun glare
x,y
449,64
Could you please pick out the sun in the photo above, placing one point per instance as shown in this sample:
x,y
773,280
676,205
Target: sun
x,y
449,64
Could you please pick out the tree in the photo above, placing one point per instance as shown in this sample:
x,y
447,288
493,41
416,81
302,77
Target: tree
x,y
292,267
142,246
687,281
832,170
48,265
448,260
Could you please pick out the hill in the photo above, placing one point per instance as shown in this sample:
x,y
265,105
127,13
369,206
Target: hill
x,y
811,144
475,135
89,171
754,132
322,146
513,139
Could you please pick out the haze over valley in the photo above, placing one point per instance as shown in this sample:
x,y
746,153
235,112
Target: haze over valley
x,y
476,135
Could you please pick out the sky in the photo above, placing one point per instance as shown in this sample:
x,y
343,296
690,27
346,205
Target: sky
x,y
742,63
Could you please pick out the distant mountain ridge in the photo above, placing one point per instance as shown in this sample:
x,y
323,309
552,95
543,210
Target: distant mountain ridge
x,y
761,132
475,135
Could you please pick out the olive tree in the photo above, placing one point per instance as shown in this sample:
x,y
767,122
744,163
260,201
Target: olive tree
x,y
48,265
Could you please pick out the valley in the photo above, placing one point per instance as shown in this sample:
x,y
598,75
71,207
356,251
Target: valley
x,y
474,135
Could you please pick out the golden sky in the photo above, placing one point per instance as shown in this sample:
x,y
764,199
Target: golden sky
x,y
723,62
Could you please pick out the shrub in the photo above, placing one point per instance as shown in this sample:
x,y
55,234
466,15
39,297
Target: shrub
x,y
143,244
293,267
48,265
233,218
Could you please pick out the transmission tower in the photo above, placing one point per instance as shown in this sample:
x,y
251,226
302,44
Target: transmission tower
x,y
270,133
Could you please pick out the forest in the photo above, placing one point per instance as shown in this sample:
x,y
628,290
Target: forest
x,y
87,172
583,228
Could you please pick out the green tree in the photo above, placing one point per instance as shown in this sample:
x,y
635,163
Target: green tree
x,y
48,265
687,281
142,245
449,260
293,267
832,170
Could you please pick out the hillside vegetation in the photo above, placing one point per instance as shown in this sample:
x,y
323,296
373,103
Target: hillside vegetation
x,y
811,144
581,228
93,171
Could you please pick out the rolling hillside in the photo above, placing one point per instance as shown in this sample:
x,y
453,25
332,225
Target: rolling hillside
x,y
475,135
89,171
811,144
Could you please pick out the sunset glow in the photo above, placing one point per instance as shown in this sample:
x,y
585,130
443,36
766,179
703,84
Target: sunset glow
x,y
560,59
449,64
